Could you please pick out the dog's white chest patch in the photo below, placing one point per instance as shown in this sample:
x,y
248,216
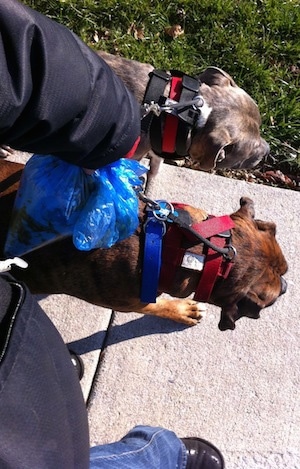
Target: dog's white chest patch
x,y
205,112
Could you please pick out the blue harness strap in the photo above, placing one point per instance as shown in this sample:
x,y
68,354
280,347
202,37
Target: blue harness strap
x,y
154,232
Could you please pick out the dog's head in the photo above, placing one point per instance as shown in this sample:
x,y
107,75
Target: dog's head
x,y
256,279
229,137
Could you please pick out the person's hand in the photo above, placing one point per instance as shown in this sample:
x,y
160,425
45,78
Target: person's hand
x,y
130,154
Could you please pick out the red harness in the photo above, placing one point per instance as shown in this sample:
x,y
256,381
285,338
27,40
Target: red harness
x,y
169,131
171,122
215,265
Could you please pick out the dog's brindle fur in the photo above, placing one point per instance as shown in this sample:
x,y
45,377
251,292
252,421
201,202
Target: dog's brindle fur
x,y
229,132
112,277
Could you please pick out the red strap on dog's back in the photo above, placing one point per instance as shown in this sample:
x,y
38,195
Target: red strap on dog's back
x,y
213,226
210,273
172,256
215,266
171,122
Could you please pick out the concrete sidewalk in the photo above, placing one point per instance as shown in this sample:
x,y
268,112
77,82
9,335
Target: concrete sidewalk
x,y
238,389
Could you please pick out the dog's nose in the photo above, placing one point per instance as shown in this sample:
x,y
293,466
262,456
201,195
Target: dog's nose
x,y
283,285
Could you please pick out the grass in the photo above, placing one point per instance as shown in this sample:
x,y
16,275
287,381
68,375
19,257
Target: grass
x,y
255,41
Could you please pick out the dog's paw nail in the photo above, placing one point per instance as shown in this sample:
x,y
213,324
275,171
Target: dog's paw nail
x,y
201,308
193,322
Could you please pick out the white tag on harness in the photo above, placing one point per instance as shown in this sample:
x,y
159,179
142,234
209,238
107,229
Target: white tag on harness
x,y
193,261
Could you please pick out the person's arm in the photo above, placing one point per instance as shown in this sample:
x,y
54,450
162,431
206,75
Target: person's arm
x,y
59,97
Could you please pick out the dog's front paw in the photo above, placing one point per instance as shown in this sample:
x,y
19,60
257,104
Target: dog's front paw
x,y
186,311
189,312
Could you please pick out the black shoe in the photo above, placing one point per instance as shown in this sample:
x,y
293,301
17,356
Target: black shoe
x,y
78,363
202,455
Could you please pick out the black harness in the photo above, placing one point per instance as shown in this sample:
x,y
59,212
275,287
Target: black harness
x,y
169,121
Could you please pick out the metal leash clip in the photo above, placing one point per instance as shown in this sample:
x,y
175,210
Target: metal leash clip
x,y
163,211
152,107
160,209
170,106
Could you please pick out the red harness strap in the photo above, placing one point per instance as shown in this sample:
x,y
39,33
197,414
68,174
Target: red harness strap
x,y
215,265
172,255
132,151
171,122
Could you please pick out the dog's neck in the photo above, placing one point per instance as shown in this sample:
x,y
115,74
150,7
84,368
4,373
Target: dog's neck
x,y
172,110
138,77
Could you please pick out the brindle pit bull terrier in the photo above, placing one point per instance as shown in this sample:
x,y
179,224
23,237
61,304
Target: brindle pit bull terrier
x,y
112,277
225,132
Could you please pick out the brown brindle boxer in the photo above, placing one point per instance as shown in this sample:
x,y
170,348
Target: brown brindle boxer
x,y
242,285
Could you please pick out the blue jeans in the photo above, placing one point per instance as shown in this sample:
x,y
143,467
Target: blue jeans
x,y
142,448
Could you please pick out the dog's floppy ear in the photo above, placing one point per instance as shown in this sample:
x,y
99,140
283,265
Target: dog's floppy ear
x,y
214,76
228,317
259,149
210,147
246,208
266,226
249,306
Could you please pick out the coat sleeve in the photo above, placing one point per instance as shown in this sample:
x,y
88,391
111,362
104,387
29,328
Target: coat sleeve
x,y
59,97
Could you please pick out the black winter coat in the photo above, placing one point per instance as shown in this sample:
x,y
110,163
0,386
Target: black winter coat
x,y
59,97
56,97
42,412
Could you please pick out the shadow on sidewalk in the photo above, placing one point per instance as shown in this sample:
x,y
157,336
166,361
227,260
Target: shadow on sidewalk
x,y
146,325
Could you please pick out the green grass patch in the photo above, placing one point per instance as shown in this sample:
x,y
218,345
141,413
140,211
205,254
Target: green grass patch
x,y
255,41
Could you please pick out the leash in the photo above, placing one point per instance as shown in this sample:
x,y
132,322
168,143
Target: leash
x,y
162,220
170,120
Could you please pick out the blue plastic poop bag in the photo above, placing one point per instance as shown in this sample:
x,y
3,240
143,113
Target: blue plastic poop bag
x,y
58,199
111,212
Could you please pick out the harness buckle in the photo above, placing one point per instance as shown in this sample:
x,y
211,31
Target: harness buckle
x,y
152,107
230,254
225,234
164,210
159,223
158,212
